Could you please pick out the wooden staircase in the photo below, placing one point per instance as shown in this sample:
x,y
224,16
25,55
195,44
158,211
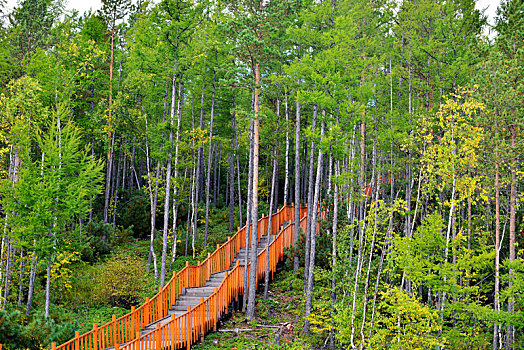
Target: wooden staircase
x,y
194,299
191,297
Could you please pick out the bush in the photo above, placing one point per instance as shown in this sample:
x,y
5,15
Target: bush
x,y
96,246
122,281
134,211
36,332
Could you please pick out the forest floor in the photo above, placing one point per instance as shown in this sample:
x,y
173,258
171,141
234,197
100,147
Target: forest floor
x,y
278,322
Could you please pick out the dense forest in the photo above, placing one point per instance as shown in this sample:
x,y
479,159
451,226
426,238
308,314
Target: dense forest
x,y
135,138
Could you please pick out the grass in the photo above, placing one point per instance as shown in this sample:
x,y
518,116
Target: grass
x,y
277,325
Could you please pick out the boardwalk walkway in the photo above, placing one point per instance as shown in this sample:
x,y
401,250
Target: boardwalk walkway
x,y
194,299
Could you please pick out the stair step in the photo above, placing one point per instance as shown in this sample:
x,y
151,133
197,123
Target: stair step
x,y
200,291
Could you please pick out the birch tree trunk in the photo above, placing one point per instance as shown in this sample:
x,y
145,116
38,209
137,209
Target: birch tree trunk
x,y
334,257
512,229
231,190
273,180
7,272
47,288
254,234
313,233
153,202
32,275
110,155
175,187
21,277
310,207
165,231
249,217
286,180
209,154
496,302
296,261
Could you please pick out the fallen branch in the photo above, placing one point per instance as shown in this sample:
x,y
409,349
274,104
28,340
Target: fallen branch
x,y
236,330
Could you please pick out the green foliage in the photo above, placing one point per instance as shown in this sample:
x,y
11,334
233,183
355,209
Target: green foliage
x,y
96,247
134,212
122,281
405,323
20,332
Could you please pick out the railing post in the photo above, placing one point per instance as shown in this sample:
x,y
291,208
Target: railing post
x,y
114,330
158,336
208,266
202,330
228,258
174,341
187,273
188,328
160,308
226,280
77,340
219,262
133,319
198,274
95,337
239,281
215,311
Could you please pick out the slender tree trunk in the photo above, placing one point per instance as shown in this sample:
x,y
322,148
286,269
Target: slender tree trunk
x,y
248,214
191,206
273,180
108,182
167,197
209,154
216,173
175,185
199,174
376,189
47,288
512,230
310,207
21,278
254,234
234,125
296,261
116,186
496,302
200,169
7,272
132,163
110,124
313,233
31,289
231,190
286,180
153,202
334,257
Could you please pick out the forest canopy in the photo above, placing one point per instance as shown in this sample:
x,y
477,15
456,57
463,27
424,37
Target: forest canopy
x,y
137,137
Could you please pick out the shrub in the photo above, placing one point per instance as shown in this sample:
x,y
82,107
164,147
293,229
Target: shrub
x,y
36,332
96,246
122,281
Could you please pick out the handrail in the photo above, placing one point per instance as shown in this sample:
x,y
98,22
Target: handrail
x,y
126,329
183,330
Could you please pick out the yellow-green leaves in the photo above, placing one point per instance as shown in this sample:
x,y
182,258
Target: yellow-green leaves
x,y
450,143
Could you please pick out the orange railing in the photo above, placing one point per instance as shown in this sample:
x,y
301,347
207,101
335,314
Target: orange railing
x,y
199,320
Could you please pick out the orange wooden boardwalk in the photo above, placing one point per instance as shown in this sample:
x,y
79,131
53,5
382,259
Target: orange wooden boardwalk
x,y
184,330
